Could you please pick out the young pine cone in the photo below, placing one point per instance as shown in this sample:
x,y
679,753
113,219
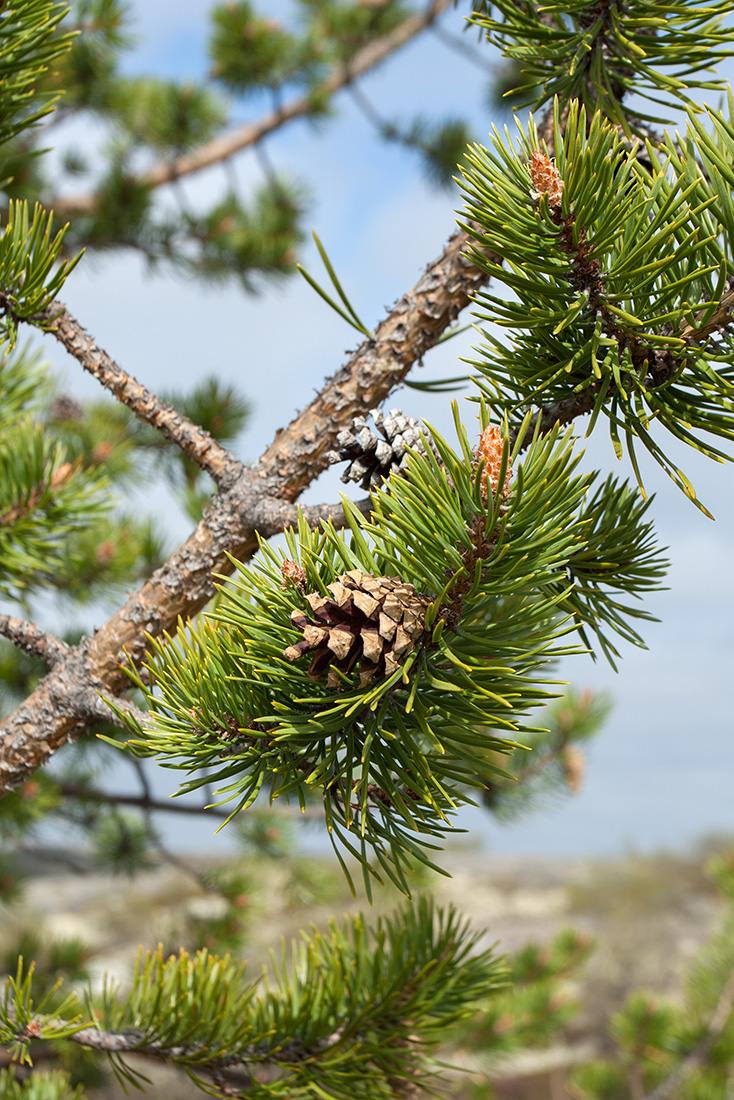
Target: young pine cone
x,y
375,621
372,458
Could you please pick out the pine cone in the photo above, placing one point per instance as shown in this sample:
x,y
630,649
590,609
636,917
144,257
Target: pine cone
x,y
372,458
375,621
66,408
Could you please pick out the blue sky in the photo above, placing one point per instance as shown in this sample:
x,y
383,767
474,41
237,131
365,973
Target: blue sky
x,y
661,773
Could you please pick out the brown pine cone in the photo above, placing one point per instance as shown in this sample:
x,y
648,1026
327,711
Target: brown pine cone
x,y
373,621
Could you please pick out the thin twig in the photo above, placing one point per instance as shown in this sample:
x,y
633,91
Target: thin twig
x,y
454,42
386,129
202,880
220,148
139,769
78,862
29,637
196,443
147,804
141,801
266,166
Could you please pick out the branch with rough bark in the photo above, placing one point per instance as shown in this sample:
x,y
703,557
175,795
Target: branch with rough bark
x,y
196,443
259,500
32,639
245,137
255,500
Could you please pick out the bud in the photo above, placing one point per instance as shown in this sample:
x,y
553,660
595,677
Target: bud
x,y
294,575
102,451
574,766
105,552
61,475
545,179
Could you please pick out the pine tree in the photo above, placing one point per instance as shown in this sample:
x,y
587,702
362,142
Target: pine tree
x,y
386,667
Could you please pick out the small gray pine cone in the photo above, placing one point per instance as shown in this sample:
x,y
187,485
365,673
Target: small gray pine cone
x,y
372,457
66,408
371,621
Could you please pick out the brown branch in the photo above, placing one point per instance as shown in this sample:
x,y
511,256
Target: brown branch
x,y
33,640
170,806
122,1042
141,802
244,137
273,515
413,326
67,700
720,318
558,412
229,1072
178,429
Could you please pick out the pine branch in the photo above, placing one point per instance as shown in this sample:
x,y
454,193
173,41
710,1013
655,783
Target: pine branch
x,y
244,137
110,1042
563,412
193,440
355,1011
33,640
228,1074
68,699
222,1069
697,1057
22,508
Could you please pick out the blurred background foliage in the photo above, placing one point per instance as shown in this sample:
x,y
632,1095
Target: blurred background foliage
x,y
160,130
